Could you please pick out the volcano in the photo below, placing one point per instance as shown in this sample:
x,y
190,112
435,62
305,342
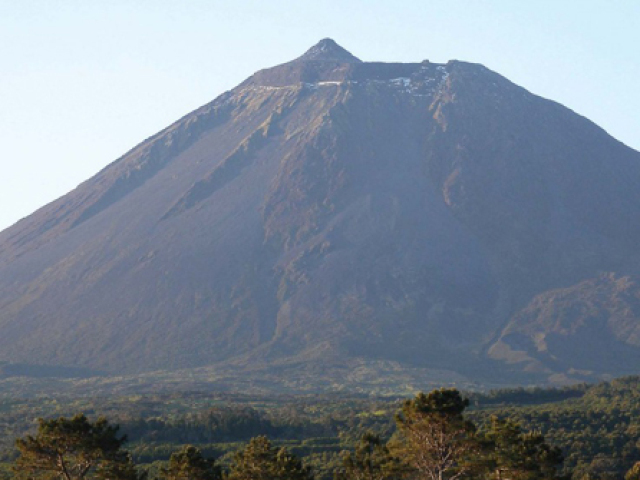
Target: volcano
x,y
330,212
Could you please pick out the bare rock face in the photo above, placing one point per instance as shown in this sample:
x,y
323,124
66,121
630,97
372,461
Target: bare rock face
x,y
330,210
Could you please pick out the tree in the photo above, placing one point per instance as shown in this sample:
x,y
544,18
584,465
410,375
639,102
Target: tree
x,y
123,469
74,449
517,455
371,460
262,461
436,441
189,464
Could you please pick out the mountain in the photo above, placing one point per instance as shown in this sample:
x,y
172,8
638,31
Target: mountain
x,y
330,215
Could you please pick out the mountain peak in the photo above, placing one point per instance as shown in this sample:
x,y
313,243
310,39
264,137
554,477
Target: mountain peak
x,y
422,223
327,50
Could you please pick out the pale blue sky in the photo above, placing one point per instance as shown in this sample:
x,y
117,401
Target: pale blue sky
x,y
83,81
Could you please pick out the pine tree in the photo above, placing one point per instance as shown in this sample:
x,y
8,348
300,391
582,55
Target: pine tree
x,y
74,449
371,460
262,461
517,455
189,464
435,440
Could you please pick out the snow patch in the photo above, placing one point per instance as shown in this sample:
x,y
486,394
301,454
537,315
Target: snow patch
x,y
401,81
420,84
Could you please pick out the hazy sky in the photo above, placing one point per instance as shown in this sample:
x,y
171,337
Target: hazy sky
x,y
83,81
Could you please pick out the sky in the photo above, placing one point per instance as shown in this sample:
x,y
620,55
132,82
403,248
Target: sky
x,y
83,81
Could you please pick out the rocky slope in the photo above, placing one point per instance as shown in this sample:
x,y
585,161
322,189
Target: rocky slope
x,y
329,211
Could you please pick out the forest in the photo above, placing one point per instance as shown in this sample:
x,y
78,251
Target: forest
x,y
578,432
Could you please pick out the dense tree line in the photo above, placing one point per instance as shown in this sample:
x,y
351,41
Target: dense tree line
x,y
599,432
232,425
434,441
596,427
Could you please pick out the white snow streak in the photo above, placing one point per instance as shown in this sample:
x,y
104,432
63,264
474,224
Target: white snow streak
x,y
418,85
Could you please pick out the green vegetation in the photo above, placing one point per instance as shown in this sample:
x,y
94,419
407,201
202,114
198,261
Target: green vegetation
x,y
189,463
260,460
434,438
599,432
371,460
74,449
595,428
